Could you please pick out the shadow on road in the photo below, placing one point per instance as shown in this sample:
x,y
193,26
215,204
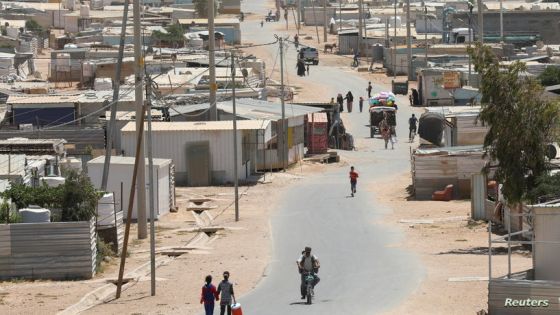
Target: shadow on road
x,y
518,249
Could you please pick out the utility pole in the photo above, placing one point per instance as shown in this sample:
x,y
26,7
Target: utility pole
x,y
286,16
408,41
139,140
471,6
212,62
139,95
480,22
315,21
426,33
501,22
282,94
339,16
395,44
151,190
298,14
325,21
360,34
235,179
111,134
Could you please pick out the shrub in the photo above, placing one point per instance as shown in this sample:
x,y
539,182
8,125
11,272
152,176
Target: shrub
x,y
76,197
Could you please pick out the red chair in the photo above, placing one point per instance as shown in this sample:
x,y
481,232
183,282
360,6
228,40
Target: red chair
x,y
443,195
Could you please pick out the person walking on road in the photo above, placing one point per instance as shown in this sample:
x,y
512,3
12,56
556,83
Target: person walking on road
x,y
369,90
262,24
300,66
353,180
340,101
225,288
307,68
385,132
349,101
412,122
361,103
208,296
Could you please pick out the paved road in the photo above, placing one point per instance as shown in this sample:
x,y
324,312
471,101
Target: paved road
x,y
361,273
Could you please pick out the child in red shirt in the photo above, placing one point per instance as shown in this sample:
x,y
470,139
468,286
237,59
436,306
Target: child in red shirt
x,y
353,180
208,295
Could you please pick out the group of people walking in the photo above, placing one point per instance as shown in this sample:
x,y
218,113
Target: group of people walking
x,y
350,100
223,293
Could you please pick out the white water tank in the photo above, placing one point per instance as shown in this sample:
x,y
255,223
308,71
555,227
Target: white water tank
x,y
35,215
105,210
71,163
196,42
52,181
70,5
84,11
392,21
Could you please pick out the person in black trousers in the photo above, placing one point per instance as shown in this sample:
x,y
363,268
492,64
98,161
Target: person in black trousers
x,y
340,101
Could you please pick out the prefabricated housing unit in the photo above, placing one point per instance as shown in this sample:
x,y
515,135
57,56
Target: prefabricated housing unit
x,y
462,128
203,151
120,180
270,157
433,169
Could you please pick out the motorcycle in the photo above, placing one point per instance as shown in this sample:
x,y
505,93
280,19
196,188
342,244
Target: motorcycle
x,y
309,278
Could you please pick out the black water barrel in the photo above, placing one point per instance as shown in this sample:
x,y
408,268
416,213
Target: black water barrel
x,y
431,127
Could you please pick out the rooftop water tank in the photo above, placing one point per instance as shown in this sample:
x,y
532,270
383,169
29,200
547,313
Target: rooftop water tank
x,y
35,215
105,210
53,181
84,11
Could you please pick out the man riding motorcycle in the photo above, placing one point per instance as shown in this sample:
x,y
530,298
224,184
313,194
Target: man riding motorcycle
x,y
308,263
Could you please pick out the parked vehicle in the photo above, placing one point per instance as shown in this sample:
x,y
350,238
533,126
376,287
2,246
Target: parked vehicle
x,y
309,55
271,18
377,114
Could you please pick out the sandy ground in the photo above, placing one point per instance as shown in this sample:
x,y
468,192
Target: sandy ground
x,y
451,247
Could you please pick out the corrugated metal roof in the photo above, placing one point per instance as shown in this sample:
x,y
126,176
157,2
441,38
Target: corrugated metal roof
x,y
252,109
205,21
453,111
20,141
459,150
42,99
124,115
127,160
553,87
12,164
125,95
202,125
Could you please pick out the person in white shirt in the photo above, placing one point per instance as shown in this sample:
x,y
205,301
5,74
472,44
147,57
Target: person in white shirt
x,y
308,262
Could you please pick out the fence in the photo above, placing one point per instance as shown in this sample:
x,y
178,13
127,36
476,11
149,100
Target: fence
x,y
60,250
533,291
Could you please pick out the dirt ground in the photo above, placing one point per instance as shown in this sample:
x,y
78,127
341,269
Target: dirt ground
x,y
452,249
